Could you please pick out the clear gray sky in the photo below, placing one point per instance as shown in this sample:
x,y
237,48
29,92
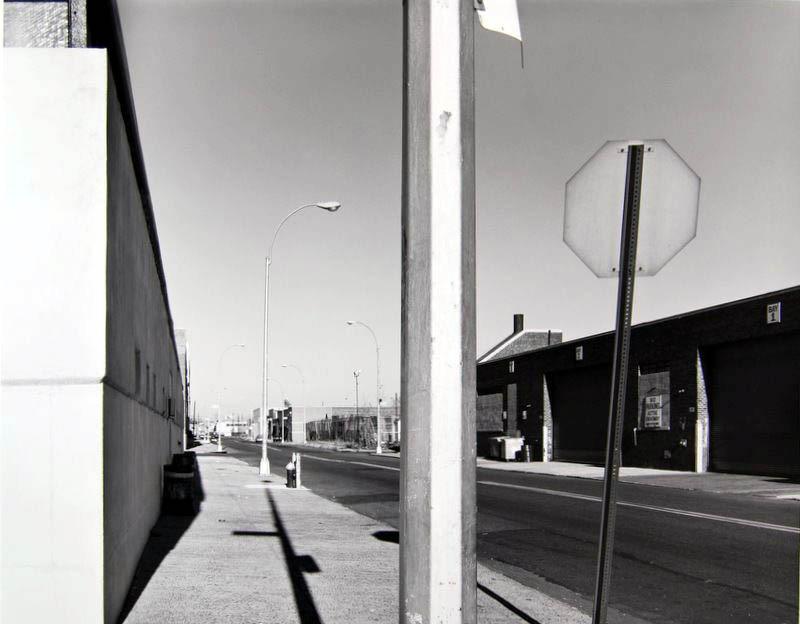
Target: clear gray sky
x,y
248,109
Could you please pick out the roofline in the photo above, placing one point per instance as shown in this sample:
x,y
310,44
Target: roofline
x,y
510,339
674,317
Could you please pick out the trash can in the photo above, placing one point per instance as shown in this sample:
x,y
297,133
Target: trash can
x,y
184,460
178,497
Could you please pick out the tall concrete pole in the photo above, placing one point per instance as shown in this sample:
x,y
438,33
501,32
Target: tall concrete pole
x,y
437,525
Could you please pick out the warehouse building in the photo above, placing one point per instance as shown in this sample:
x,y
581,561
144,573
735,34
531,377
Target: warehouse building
x,y
715,389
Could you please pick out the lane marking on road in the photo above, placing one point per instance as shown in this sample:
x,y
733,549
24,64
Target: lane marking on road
x,y
344,461
669,510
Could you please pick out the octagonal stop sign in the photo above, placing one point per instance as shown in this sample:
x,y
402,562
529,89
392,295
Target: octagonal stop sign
x,y
670,196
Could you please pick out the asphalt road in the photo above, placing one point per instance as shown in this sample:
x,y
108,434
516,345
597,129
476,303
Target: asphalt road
x,y
680,555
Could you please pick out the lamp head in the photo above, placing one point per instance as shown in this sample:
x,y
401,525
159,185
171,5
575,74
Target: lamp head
x,y
351,322
331,206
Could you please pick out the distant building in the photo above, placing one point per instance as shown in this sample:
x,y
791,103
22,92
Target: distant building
x,y
492,409
714,389
186,375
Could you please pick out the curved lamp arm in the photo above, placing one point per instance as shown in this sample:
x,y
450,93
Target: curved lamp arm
x,y
329,206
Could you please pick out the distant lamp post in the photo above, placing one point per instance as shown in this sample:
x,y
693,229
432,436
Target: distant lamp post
x,y
302,398
283,404
330,206
219,393
356,373
377,381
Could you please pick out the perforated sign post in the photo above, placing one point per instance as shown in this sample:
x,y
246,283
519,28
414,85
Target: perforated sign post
x,y
658,194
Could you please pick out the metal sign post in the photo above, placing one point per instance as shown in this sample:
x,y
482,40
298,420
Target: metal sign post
x,y
619,377
667,200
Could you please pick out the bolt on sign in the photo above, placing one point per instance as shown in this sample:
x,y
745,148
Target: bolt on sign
x,y
627,211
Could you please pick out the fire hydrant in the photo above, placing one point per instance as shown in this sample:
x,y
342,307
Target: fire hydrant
x,y
291,475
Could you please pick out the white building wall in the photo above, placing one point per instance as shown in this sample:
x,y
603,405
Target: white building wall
x,y
53,250
82,445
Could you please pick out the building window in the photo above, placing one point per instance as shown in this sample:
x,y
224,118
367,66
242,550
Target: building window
x,y
137,366
511,366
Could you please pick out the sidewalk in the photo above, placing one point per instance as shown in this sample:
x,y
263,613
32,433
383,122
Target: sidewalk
x,y
258,552
716,482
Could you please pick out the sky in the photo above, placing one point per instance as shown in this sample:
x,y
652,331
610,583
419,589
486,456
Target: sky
x,y
248,109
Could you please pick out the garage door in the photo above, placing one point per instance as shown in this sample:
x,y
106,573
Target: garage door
x,y
579,403
754,405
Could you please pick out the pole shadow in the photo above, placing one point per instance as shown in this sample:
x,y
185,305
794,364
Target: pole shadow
x,y
508,605
393,537
297,566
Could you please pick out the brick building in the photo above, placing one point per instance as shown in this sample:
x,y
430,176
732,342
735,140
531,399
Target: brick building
x,y
714,389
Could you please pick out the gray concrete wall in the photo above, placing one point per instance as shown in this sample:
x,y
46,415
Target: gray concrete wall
x,y
141,429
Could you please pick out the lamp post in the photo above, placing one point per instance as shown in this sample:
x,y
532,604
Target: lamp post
x,y
330,207
219,393
377,381
302,398
356,373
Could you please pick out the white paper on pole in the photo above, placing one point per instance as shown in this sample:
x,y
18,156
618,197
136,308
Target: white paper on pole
x,y
501,16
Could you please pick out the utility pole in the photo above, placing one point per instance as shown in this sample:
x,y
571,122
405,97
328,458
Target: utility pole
x,y
437,521
358,426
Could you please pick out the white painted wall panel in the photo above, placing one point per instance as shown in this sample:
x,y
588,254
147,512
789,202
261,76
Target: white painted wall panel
x,y
53,228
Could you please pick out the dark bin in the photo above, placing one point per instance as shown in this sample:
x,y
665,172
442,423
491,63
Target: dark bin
x,y
527,453
178,498
184,460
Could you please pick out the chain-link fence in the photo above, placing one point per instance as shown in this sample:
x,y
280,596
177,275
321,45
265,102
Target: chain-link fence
x,y
354,431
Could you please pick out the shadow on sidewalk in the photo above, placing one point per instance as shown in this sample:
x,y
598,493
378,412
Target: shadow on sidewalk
x,y
297,565
167,532
394,538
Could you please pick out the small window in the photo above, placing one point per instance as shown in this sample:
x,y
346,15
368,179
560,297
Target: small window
x,y
147,381
155,391
511,366
137,368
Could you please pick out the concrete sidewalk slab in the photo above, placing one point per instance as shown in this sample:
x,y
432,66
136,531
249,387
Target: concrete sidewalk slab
x,y
258,552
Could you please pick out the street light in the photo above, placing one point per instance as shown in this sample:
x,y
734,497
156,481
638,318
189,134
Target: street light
x,y
330,206
356,373
377,381
219,393
302,398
